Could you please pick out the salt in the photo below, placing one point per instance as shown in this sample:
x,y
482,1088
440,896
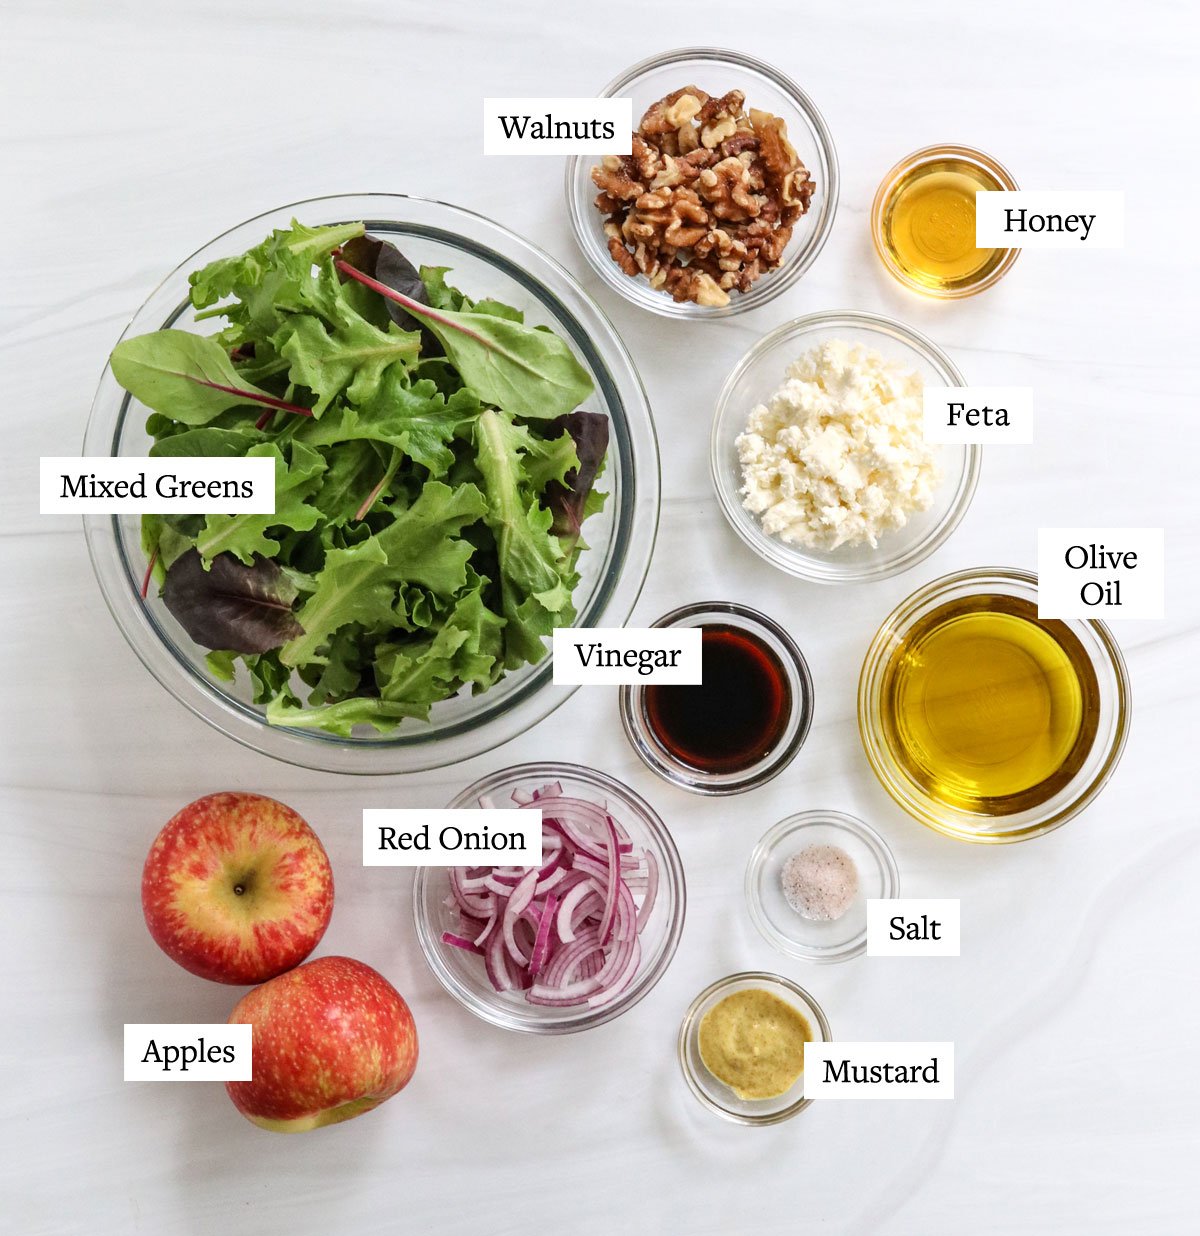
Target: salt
x,y
820,882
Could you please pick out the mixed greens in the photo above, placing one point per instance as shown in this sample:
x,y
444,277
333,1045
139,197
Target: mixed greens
x,y
432,476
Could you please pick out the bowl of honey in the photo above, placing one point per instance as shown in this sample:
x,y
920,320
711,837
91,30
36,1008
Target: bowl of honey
x,y
923,221
985,721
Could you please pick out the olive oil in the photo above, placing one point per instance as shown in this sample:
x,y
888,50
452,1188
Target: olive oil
x,y
927,227
988,708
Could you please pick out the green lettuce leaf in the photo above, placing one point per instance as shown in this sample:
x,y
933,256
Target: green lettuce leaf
x,y
534,597
359,583
245,535
352,356
416,419
187,377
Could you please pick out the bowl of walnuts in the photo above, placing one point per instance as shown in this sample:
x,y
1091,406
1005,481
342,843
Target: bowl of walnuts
x,y
727,195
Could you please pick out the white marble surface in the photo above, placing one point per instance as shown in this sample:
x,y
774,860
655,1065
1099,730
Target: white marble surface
x,y
132,132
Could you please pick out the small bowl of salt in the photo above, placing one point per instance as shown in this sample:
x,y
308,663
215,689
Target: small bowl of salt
x,y
808,882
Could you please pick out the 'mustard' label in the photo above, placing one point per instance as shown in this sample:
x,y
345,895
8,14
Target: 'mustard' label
x,y
557,126
878,1071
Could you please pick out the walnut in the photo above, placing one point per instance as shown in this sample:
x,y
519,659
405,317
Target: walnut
x,y
705,202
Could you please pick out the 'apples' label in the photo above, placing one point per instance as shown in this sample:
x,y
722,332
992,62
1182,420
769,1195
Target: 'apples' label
x,y
557,126
1000,415
452,837
188,1051
848,1071
1050,219
912,927
181,485
1101,572
634,656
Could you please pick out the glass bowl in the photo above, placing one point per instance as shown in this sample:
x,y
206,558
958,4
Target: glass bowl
x,y
714,1094
759,374
1112,714
659,759
789,931
487,260
462,974
993,171
716,71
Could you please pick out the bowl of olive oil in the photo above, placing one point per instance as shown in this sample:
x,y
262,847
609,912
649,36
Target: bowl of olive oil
x,y
984,721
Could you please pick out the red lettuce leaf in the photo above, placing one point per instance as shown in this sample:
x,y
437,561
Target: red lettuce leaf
x,y
232,607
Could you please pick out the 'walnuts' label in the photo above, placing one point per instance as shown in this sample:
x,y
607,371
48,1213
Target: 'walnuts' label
x,y
557,126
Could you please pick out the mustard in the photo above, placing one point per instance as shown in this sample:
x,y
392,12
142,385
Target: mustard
x,y
754,1042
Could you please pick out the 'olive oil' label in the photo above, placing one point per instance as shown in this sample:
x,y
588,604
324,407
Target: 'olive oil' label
x,y
1101,572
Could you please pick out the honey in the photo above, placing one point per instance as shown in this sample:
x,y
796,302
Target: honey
x,y
988,708
924,222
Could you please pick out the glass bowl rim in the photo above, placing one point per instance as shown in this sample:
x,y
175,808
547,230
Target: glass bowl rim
x,y
939,150
755,867
774,282
795,562
620,583
938,816
690,1026
795,667
672,881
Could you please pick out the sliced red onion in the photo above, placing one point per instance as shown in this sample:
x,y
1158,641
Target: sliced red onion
x,y
461,942
564,932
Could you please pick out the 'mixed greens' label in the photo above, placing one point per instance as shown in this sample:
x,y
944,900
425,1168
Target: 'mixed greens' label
x,y
188,1051
179,485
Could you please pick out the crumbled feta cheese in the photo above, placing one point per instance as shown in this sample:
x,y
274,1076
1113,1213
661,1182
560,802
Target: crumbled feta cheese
x,y
836,456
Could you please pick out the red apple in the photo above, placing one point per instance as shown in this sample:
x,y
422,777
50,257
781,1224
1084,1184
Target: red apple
x,y
237,888
332,1039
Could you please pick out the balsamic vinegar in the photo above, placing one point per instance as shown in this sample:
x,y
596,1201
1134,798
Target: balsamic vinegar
x,y
736,717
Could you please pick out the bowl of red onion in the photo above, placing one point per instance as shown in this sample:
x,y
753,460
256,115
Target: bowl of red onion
x,y
576,940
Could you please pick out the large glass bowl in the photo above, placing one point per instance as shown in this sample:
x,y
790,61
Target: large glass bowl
x,y
715,71
1111,714
487,260
760,373
462,974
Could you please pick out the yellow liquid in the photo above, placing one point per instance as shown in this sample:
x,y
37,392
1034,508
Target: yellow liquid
x,y
928,225
988,708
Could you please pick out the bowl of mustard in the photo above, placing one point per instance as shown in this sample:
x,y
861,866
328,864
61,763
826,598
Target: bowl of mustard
x,y
741,1046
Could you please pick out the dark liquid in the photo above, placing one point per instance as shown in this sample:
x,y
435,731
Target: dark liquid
x,y
736,717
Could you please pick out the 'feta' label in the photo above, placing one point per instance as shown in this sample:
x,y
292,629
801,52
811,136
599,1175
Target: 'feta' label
x,y
996,415
1101,572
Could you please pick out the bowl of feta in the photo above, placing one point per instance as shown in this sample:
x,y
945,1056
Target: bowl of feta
x,y
818,453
